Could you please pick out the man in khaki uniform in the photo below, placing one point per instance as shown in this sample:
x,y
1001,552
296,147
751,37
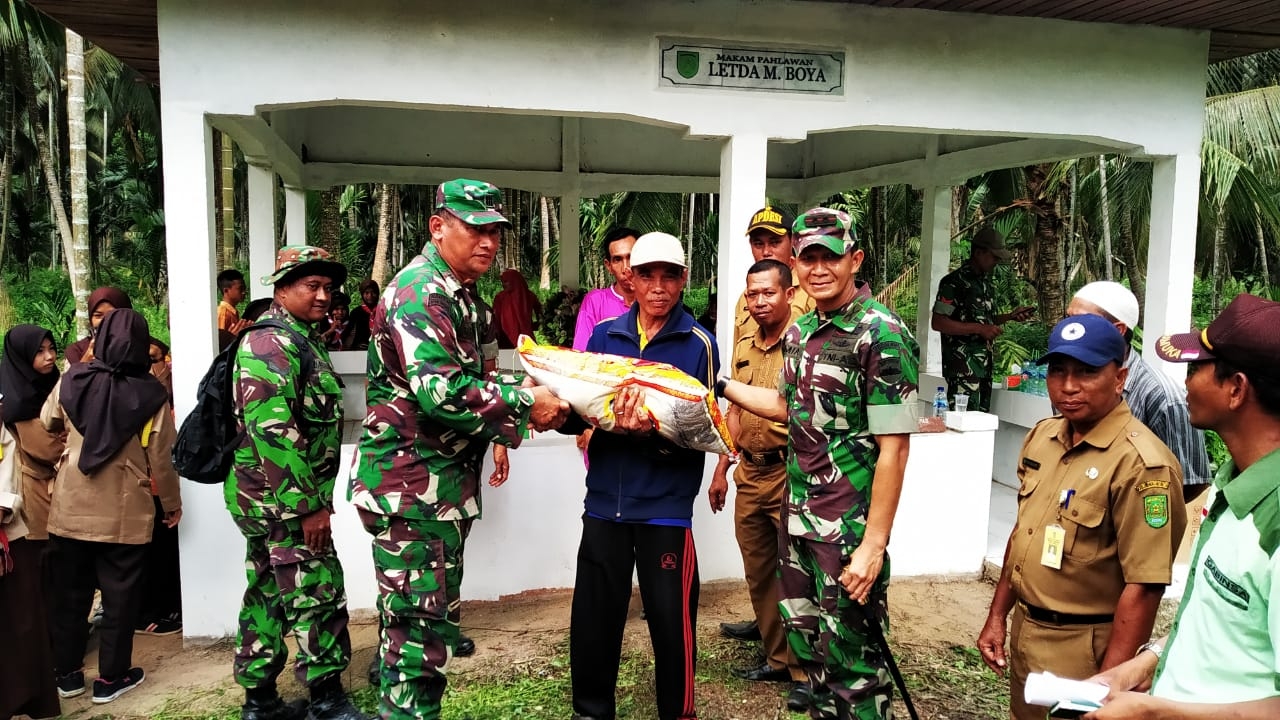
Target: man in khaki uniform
x,y
1100,516
770,236
762,475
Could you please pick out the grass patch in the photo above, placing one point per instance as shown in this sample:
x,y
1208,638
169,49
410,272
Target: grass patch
x,y
951,682
945,681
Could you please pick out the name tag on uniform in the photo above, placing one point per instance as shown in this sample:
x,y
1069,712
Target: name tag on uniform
x,y
1054,540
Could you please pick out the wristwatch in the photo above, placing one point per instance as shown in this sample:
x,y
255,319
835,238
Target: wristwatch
x,y
721,384
1156,649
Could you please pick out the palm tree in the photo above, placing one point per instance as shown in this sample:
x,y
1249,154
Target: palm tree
x,y
1240,155
79,158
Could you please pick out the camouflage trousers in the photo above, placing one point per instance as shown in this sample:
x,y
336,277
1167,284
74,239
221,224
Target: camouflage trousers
x,y
291,588
978,389
418,564
828,632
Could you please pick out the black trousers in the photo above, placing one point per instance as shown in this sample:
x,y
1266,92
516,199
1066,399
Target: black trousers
x,y
666,563
80,566
162,578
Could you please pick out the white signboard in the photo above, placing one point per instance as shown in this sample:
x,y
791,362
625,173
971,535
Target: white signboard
x,y
711,64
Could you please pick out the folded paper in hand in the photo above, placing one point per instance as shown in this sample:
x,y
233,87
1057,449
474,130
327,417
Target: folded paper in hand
x,y
1050,690
683,410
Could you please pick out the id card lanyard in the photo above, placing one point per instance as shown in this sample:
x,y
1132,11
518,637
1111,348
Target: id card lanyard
x,y
1055,538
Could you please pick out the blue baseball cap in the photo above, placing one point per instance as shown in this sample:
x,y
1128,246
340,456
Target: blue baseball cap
x,y
1091,339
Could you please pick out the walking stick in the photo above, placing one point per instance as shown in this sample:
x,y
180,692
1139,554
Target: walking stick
x,y
877,634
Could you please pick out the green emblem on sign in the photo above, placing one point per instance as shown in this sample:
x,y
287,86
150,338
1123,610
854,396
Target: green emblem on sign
x,y
1156,510
687,62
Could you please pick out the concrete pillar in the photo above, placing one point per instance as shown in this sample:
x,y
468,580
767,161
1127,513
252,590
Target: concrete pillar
x,y
295,215
742,178
570,246
570,201
210,575
935,260
262,228
191,250
1175,188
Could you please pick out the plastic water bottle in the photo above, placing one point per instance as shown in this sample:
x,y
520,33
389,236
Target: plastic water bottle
x,y
940,403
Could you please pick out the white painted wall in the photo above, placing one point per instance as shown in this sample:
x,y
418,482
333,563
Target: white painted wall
x,y
528,537
907,69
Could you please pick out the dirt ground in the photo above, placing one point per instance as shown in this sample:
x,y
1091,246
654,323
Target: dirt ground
x,y
527,629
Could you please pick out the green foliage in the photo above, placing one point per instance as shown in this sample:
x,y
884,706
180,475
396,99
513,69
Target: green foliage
x,y
1216,448
45,300
1020,343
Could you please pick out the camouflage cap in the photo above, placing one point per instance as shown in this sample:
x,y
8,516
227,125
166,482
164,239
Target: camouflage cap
x,y
309,259
832,229
474,202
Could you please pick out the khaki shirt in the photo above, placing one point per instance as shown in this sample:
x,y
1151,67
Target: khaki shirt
x,y
1122,525
756,364
801,303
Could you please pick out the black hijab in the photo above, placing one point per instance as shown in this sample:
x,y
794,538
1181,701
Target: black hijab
x,y
24,389
111,398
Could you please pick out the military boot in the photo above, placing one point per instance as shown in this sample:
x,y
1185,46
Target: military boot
x,y
265,704
330,702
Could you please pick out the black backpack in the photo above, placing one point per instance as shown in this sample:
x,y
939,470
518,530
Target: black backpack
x,y
206,444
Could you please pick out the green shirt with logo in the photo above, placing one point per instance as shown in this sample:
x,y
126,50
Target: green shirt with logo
x,y
1223,645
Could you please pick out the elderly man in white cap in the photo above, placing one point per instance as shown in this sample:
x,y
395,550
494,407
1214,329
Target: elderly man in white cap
x,y
639,504
1153,397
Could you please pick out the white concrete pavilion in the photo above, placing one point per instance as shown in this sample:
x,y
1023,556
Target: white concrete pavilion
x,y
575,99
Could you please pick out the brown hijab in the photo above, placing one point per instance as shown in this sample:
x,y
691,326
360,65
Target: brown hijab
x,y
76,350
109,399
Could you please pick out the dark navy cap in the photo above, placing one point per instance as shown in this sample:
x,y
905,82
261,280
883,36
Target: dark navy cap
x,y
1091,339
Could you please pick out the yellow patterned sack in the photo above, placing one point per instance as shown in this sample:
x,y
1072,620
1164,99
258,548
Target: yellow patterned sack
x,y
683,410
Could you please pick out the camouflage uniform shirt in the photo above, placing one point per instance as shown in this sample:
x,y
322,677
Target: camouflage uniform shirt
x,y
432,411
966,296
847,375
287,461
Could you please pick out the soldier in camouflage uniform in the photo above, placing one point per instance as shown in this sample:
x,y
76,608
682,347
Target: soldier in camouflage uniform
x,y
432,412
848,394
965,315
280,495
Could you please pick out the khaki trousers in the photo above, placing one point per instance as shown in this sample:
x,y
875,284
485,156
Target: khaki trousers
x,y
1074,652
756,508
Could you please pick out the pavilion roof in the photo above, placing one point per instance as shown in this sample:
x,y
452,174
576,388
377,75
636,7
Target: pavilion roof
x,y
127,28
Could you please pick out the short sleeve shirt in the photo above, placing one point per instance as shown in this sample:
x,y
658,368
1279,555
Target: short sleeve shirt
x,y
966,296
1223,646
848,375
1122,523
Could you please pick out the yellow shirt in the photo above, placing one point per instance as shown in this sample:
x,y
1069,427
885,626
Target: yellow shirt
x,y
228,316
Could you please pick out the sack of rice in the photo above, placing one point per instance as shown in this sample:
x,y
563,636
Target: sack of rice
x,y
683,410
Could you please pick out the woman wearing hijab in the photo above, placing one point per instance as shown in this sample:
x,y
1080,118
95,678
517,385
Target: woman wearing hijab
x,y
120,433
514,309
101,301
26,664
28,373
161,609
357,333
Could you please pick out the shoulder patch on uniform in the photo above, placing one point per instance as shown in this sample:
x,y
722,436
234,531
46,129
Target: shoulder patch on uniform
x,y
1152,485
1155,510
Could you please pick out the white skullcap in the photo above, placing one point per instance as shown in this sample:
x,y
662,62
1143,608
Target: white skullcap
x,y
1113,299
